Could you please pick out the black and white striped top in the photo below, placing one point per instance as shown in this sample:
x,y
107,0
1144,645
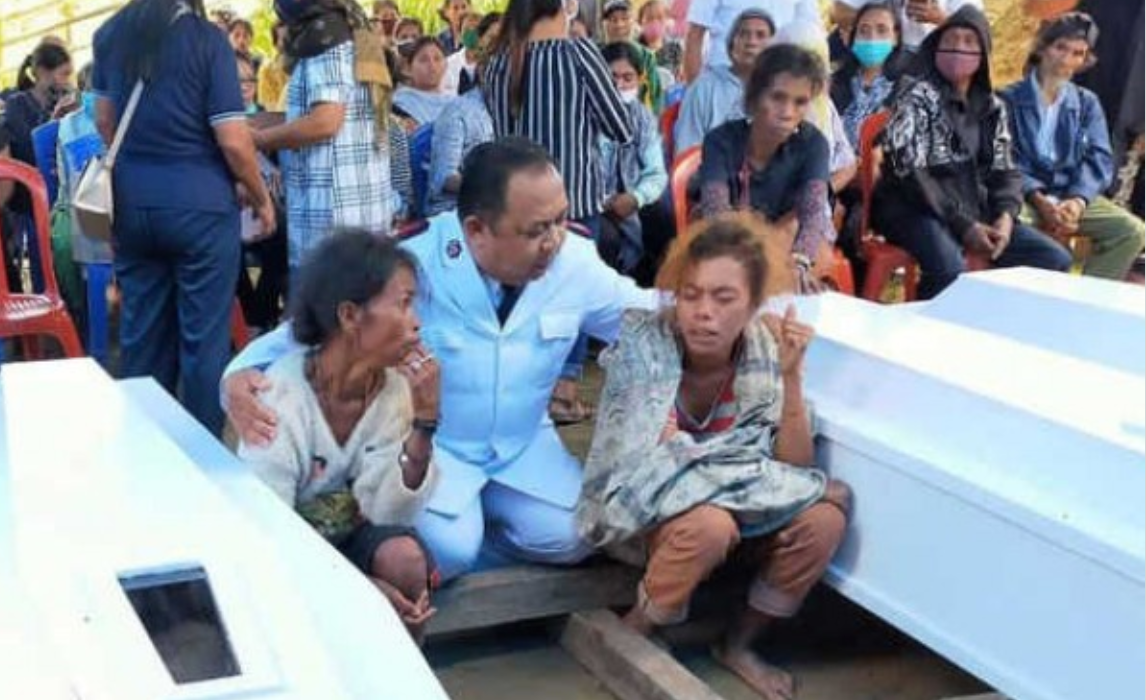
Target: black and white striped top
x,y
568,101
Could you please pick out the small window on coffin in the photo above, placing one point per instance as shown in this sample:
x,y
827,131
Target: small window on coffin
x,y
179,613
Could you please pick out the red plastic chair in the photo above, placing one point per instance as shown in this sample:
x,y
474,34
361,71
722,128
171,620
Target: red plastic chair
x,y
882,258
240,333
667,126
842,273
682,171
27,316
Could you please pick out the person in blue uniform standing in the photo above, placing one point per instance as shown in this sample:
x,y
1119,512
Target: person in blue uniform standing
x,y
505,291
176,230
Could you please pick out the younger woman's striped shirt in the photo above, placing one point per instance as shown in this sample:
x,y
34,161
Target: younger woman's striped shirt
x,y
568,102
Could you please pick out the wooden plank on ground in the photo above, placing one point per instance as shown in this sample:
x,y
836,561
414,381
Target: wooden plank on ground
x,y
630,666
519,593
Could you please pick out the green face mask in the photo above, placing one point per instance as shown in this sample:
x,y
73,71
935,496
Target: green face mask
x,y
470,39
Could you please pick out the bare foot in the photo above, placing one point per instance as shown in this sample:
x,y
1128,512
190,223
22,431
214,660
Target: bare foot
x,y
770,682
638,622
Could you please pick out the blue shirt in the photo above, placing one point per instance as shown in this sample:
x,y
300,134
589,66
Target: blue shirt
x,y
715,97
169,156
457,131
420,105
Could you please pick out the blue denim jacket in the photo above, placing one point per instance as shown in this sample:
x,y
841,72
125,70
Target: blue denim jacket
x,y
1085,164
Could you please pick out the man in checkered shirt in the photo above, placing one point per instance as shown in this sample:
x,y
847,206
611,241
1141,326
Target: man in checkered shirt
x,y
336,173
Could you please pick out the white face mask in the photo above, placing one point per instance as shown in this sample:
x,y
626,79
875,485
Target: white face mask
x,y
630,96
572,9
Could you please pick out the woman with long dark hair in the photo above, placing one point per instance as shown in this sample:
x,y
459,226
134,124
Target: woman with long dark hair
x,y
558,91
45,83
186,155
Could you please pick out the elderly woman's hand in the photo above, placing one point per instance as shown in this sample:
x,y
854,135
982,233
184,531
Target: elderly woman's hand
x,y
253,420
421,370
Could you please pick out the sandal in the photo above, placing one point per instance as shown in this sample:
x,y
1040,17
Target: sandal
x,y
569,411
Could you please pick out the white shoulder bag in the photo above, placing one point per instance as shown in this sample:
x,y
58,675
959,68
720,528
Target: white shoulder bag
x,y
93,201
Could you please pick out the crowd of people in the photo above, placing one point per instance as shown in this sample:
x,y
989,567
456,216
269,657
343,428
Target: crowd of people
x,y
445,221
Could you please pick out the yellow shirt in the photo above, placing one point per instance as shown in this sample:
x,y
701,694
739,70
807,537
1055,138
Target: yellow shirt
x,y
272,86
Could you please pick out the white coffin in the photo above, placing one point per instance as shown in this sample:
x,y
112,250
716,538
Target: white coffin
x,y
99,497
999,514
1092,319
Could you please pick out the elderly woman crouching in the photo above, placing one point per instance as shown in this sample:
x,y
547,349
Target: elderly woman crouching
x,y
704,448
356,413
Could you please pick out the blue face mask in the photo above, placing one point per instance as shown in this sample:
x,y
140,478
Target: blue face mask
x,y
88,100
872,53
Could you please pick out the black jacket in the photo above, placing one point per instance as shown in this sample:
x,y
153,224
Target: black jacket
x,y
928,167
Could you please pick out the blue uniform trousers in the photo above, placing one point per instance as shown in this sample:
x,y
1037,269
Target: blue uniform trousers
x,y
177,269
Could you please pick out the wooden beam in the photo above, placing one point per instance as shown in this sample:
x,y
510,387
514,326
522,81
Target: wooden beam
x,y
519,593
629,665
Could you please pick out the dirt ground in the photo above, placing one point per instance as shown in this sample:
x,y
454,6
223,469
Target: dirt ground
x,y
836,650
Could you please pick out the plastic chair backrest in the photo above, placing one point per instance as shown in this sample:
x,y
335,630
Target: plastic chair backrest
x,y
44,140
870,130
28,177
420,149
668,124
682,171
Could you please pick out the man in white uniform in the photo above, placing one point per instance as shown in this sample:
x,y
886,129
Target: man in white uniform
x,y
504,291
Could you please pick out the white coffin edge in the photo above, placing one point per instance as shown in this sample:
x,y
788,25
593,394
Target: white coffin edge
x,y
1091,319
71,420
999,512
403,672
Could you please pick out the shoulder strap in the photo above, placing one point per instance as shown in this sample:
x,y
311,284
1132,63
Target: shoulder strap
x,y
124,123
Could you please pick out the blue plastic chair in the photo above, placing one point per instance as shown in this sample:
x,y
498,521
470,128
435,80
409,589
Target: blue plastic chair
x,y
420,148
44,140
98,275
99,278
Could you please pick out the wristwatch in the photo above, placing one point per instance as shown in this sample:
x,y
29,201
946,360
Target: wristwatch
x,y
428,427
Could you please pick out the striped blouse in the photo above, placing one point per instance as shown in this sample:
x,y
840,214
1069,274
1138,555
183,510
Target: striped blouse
x,y
568,102
721,418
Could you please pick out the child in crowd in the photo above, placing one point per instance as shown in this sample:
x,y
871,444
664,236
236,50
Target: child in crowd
x,y
655,25
634,173
241,33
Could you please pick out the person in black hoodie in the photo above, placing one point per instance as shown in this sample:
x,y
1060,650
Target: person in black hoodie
x,y
949,181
